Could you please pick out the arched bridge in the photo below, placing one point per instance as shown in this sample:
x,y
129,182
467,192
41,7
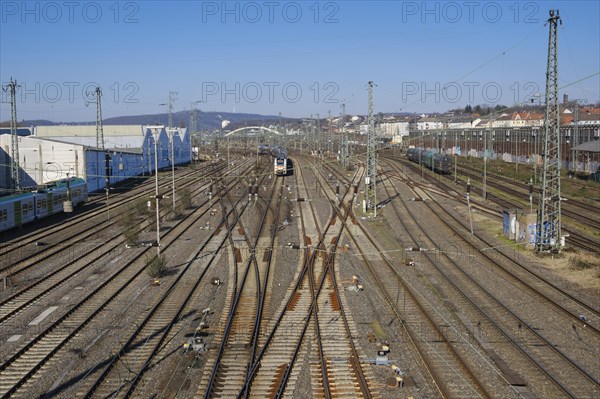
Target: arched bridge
x,y
253,129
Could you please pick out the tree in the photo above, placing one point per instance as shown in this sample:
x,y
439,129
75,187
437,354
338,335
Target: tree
x,y
468,109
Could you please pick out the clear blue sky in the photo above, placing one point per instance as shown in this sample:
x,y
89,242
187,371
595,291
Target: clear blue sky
x,y
294,57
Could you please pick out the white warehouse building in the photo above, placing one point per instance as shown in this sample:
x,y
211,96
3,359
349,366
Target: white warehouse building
x,y
53,151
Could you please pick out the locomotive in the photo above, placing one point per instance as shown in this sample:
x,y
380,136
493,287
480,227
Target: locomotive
x,y
280,164
439,163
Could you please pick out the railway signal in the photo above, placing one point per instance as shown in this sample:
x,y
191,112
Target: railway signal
x,y
530,195
469,204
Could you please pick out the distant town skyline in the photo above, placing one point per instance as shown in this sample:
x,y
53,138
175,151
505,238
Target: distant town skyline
x,y
294,58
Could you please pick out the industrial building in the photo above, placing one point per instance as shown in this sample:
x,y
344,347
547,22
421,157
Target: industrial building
x,y
52,152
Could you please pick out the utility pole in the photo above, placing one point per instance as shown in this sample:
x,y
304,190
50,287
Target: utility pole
x,y
100,145
548,234
282,131
107,160
171,133
330,134
319,137
192,119
486,139
421,152
576,134
370,179
344,140
194,127
14,138
156,130
313,136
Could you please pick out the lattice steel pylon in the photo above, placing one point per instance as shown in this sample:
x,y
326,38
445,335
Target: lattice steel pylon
x,y
172,98
14,138
548,228
370,179
99,128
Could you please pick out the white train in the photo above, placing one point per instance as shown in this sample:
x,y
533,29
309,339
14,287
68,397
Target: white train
x,y
280,166
18,209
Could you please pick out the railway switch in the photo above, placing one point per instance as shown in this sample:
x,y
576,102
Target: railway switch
x,y
382,358
196,344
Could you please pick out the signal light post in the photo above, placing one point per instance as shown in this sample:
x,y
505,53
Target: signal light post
x,y
171,133
469,204
156,134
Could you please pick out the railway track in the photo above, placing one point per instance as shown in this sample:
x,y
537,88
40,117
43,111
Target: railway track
x,y
524,187
262,355
576,238
449,372
22,366
341,371
27,251
538,286
306,304
35,291
266,374
138,352
241,325
542,347
579,211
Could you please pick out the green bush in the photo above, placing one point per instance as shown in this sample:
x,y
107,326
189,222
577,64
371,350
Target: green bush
x,y
129,226
156,266
185,200
580,264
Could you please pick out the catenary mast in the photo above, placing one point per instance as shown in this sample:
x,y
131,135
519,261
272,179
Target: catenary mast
x,y
548,227
370,179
